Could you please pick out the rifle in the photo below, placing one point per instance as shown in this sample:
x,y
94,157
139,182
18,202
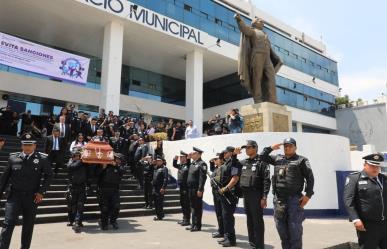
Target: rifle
x,y
218,188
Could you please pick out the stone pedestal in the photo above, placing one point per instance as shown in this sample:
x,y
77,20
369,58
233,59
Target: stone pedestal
x,y
266,117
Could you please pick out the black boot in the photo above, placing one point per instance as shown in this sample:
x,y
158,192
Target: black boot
x,y
217,235
228,243
114,225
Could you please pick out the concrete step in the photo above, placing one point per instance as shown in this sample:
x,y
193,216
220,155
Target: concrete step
x,y
60,194
90,215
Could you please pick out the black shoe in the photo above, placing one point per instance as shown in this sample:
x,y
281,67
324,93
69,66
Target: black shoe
x,y
196,229
189,228
104,228
217,235
228,243
146,206
77,228
220,241
114,225
180,222
157,218
70,224
185,223
150,207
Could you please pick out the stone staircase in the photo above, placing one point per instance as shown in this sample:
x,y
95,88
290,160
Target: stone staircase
x,y
54,208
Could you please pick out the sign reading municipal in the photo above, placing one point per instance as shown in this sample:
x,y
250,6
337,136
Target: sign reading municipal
x,y
149,18
32,57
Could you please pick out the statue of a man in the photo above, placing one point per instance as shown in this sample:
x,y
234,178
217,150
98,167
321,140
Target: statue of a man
x,y
257,63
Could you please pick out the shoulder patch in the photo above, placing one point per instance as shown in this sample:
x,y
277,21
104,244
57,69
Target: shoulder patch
x,y
43,154
355,173
15,153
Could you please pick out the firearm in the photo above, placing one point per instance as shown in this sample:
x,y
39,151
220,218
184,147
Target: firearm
x,y
218,188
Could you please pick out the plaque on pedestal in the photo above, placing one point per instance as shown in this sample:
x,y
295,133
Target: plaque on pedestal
x,y
266,117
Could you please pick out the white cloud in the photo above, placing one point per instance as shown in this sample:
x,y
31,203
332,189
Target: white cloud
x,y
366,85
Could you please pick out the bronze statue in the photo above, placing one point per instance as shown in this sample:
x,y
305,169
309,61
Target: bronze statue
x,y
257,62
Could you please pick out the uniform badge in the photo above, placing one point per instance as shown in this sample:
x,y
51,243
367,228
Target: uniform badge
x,y
205,167
244,167
253,168
347,181
36,161
28,136
376,157
362,182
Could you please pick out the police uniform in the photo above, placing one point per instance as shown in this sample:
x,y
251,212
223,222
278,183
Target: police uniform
x,y
229,169
365,199
160,181
148,169
216,196
182,176
197,176
255,183
76,197
118,144
109,179
288,180
25,176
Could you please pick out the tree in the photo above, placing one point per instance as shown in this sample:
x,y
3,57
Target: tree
x,y
342,100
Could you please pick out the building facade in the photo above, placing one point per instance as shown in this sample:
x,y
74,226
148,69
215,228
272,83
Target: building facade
x,y
168,58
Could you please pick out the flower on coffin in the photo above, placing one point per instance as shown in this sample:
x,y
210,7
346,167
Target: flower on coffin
x,y
86,153
110,155
98,153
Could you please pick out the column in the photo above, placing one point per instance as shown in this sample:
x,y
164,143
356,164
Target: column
x,y
299,126
111,67
194,89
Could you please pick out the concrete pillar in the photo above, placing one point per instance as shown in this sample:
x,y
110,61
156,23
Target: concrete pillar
x,y
194,89
111,67
299,126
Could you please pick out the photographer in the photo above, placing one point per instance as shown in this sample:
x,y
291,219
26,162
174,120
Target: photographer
x,y
234,121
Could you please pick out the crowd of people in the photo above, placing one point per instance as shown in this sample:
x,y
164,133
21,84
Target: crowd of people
x,y
15,124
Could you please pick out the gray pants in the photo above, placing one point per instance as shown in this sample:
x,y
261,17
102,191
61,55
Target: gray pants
x,y
263,78
288,217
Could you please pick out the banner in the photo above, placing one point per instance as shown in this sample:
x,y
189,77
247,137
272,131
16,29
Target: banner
x,y
32,57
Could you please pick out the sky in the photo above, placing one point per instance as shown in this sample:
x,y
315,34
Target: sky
x,y
355,33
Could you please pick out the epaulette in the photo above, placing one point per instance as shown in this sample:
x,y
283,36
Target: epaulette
x,y
43,154
354,173
14,154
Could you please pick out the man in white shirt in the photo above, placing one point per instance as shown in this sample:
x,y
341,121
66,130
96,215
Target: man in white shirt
x,y
191,131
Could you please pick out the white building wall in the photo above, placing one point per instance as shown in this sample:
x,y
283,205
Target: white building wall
x,y
327,154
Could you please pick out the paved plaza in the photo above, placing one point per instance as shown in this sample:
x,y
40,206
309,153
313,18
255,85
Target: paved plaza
x,y
144,233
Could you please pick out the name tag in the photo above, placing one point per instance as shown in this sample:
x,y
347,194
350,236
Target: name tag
x,y
362,182
253,168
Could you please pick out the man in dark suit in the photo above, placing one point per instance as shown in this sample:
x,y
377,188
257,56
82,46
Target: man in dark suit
x,y
91,129
55,147
64,130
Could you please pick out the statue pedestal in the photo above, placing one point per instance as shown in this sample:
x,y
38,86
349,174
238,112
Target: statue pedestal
x,y
266,117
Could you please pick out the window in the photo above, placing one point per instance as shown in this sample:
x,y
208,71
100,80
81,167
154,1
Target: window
x,y
136,82
311,63
98,74
294,56
203,14
187,8
218,21
152,86
303,59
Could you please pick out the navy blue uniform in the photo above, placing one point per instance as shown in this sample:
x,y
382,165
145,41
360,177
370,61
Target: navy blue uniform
x,y
148,169
182,177
160,181
25,176
290,176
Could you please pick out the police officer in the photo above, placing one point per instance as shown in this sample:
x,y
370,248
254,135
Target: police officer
x,y
160,181
365,198
27,177
215,164
291,171
197,176
148,168
109,178
230,172
117,143
76,197
255,184
182,176
99,137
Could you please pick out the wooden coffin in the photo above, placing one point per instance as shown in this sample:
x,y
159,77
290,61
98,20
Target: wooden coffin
x,y
97,152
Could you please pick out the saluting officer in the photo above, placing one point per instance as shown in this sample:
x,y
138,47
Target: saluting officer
x,y
27,175
365,198
182,176
160,181
117,143
291,171
148,168
255,184
197,176
230,172
215,164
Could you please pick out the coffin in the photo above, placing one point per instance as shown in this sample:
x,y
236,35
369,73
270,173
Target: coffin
x,y
97,152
